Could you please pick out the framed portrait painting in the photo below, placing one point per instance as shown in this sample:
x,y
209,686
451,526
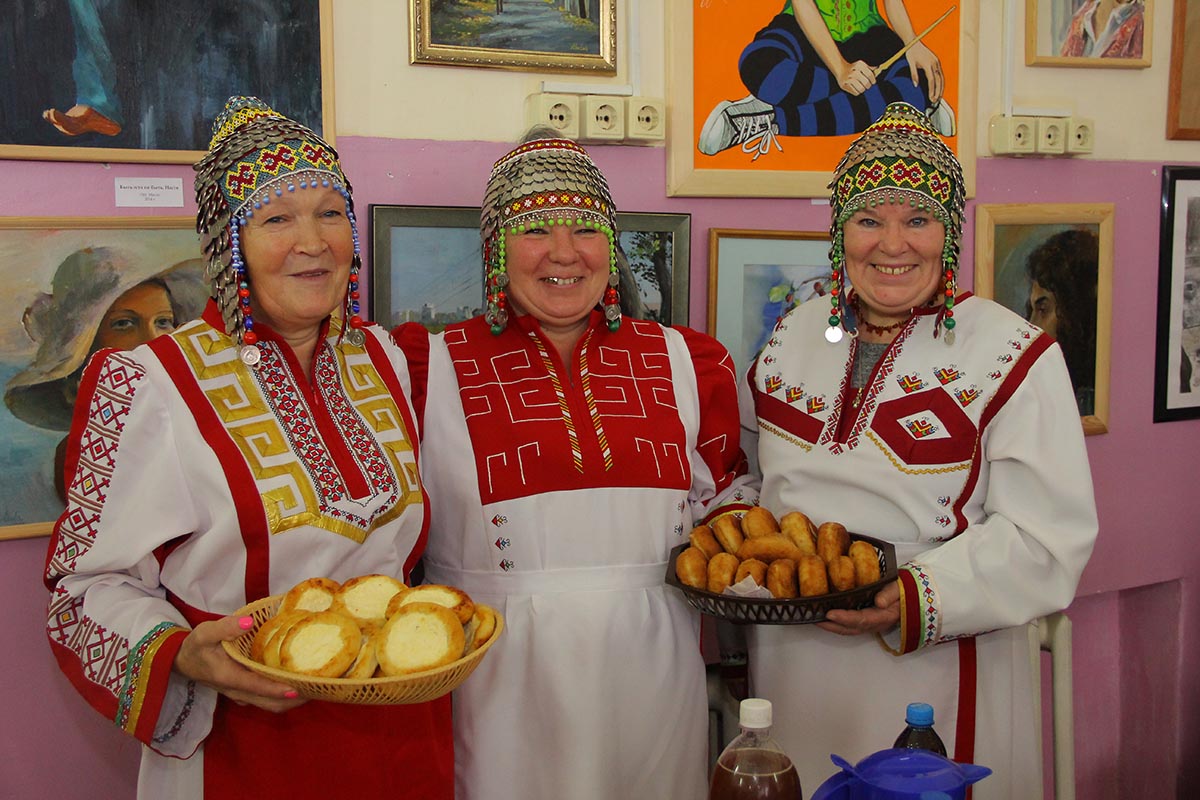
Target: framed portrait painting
x,y
427,265
542,36
1177,339
1183,91
131,81
1088,33
756,112
76,285
754,278
1051,263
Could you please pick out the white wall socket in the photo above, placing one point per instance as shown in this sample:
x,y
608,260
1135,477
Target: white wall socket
x,y
1052,135
559,111
1081,135
1012,135
645,119
603,118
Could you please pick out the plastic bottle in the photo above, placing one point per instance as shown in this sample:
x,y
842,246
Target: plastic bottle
x,y
920,735
753,766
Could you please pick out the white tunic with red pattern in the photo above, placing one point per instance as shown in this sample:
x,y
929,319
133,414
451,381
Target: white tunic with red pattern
x,y
969,458
556,493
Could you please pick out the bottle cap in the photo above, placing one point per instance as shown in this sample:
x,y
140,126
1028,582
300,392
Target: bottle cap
x,y
754,712
919,714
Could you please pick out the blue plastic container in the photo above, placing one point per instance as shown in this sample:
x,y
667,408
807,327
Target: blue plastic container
x,y
900,774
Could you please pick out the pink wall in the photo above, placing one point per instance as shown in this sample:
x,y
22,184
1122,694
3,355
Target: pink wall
x,y
1138,611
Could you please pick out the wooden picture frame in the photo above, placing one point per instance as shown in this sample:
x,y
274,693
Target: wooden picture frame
x,y
426,258
1056,37
705,40
1177,339
158,72
757,276
1183,92
1016,243
466,34
61,274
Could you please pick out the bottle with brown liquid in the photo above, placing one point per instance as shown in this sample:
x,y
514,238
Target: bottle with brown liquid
x,y
753,766
920,735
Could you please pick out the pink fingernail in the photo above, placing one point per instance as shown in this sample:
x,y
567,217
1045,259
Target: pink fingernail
x,y
246,623
291,694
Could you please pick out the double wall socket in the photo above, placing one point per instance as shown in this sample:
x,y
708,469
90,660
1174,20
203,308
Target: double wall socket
x,y
1050,136
599,118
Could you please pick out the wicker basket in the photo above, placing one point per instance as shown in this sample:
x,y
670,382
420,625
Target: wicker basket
x,y
418,687
801,611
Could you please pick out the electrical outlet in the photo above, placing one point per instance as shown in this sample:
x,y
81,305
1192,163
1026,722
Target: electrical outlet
x,y
1081,135
645,119
603,118
558,111
1052,135
1012,135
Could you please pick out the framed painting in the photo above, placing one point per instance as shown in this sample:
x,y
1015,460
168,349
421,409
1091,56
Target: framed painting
x,y
754,278
1088,33
540,36
427,265
75,285
1183,91
129,81
1177,340
1051,263
756,112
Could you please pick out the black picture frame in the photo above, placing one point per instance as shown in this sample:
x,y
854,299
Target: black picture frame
x,y
426,259
1177,343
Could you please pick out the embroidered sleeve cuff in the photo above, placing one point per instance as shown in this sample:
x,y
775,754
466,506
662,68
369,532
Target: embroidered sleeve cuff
x,y
155,704
920,609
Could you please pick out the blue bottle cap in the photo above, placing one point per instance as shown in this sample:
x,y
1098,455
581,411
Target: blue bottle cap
x,y
919,714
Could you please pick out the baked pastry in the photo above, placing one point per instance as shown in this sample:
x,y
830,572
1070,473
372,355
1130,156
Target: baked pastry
x,y
481,628
728,531
322,644
781,578
365,663
418,637
866,563
832,540
769,548
691,567
366,599
264,647
702,537
811,576
314,594
841,574
454,599
721,571
796,526
754,568
759,521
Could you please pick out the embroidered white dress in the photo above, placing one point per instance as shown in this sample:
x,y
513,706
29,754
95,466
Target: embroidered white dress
x,y
198,485
556,500
970,458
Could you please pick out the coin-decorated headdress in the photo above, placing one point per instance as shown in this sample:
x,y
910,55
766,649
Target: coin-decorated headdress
x,y
899,158
256,154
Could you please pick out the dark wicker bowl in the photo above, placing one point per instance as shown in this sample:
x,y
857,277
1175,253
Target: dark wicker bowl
x,y
801,611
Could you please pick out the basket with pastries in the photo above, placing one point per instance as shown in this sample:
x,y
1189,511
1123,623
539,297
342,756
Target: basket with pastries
x,y
786,571
371,640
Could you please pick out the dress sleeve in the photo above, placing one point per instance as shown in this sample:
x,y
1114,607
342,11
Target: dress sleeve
x,y
110,625
722,482
413,339
1024,559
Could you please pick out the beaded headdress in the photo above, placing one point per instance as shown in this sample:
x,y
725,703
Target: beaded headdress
x,y
255,154
544,182
898,159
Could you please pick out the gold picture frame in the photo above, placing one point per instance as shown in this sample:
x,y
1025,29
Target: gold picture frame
x,y
699,80
46,264
425,46
1015,240
1183,93
146,70
1052,30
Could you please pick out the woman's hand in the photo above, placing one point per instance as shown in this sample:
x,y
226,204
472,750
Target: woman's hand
x,y
855,78
202,659
880,619
921,59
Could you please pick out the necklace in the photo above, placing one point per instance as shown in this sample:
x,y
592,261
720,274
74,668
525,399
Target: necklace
x,y
878,330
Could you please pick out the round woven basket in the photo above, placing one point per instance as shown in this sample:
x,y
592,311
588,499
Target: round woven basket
x,y
417,687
